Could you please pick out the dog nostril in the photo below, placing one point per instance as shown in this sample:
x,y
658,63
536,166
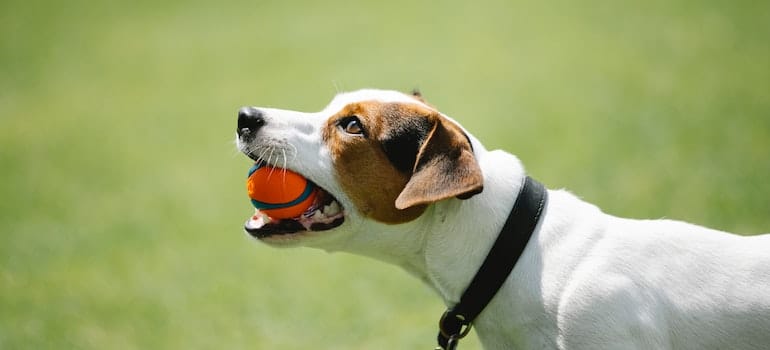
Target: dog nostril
x,y
250,120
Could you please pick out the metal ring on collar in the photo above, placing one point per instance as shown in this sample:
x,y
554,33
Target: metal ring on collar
x,y
459,335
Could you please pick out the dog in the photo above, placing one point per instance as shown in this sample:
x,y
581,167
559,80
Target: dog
x,y
403,183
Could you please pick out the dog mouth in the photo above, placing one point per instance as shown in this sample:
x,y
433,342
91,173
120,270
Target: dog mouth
x,y
325,213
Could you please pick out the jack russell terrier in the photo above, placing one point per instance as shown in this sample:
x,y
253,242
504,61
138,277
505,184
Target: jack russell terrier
x,y
405,184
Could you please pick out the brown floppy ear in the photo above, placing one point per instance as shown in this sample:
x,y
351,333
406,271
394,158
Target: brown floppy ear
x,y
445,167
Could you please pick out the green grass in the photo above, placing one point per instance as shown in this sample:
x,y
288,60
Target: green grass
x,y
123,198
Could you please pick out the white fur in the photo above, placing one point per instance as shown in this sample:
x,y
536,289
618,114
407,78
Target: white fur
x,y
586,280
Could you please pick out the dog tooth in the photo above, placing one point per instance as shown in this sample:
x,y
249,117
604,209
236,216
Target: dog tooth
x,y
318,214
334,209
329,210
260,215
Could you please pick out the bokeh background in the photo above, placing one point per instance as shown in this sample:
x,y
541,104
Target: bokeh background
x,y
122,196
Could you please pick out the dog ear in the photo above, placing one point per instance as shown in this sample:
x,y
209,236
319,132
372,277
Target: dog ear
x,y
445,167
417,95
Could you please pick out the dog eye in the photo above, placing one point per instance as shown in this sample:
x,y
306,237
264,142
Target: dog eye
x,y
352,126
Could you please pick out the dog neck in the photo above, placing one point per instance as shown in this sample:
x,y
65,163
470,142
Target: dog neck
x,y
445,246
463,231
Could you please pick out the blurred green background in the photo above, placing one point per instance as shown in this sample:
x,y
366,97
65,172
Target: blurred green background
x,y
122,196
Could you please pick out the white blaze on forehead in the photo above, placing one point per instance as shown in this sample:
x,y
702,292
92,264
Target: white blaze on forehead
x,y
343,99
385,96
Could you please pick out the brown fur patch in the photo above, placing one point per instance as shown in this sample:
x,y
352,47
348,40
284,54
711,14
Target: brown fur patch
x,y
363,169
374,178
445,168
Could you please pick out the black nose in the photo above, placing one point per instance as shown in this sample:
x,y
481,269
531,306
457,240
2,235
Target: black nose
x,y
250,120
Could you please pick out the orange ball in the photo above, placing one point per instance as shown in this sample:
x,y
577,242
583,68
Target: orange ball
x,y
279,193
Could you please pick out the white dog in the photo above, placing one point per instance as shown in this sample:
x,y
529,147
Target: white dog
x,y
403,183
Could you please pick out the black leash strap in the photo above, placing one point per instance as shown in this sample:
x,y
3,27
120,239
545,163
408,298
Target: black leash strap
x,y
456,321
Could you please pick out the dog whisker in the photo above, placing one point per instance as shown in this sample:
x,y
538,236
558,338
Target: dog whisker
x,y
293,151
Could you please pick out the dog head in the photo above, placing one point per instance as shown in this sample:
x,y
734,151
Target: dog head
x,y
379,156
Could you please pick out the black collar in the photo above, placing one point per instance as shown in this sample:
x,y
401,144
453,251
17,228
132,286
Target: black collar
x,y
456,321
